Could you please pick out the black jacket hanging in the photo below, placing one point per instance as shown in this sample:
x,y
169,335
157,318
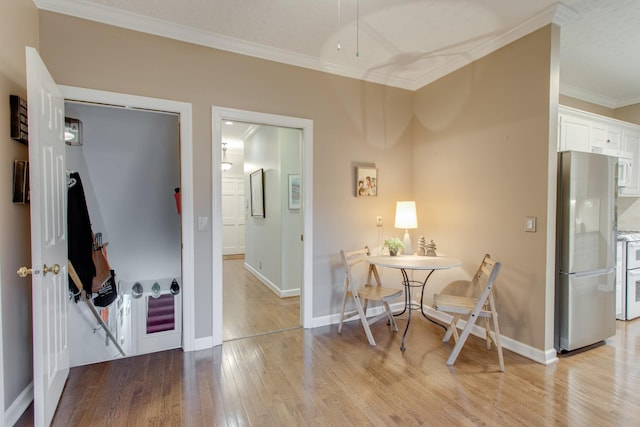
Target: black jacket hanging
x,y
80,235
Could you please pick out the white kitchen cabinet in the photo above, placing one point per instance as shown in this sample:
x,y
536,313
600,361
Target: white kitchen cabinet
x,y
605,136
631,139
574,133
584,131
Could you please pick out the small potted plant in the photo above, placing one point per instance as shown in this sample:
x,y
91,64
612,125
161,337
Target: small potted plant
x,y
394,244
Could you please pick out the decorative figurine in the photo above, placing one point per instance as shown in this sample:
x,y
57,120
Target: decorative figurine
x,y
422,246
431,249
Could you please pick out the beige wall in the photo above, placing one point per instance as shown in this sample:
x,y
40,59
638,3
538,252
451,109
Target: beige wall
x,y
481,149
630,113
353,122
18,27
586,106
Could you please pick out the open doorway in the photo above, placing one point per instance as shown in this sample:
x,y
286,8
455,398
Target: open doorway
x,y
305,129
126,161
262,246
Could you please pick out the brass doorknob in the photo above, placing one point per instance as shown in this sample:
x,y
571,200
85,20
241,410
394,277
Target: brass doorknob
x,y
55,269
24,271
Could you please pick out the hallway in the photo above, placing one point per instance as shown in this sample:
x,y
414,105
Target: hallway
x,y
249,307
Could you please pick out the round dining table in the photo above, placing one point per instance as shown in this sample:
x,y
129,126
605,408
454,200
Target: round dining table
x,y
406,263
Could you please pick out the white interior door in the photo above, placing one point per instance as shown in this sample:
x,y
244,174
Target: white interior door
x,y
233,216
48,238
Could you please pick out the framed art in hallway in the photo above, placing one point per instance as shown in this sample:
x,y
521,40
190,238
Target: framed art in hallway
x,y
294,192
366,181
256,183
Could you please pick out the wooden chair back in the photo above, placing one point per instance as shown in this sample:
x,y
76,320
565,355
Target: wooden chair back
x,y
362,293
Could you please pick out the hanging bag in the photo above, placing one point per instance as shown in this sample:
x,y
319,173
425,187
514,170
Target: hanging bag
x,y
103,269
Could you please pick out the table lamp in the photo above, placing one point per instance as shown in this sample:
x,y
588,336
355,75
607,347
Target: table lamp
x,y
406,218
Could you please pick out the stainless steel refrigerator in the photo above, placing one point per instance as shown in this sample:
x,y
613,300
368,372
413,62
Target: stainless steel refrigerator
x,y
585,308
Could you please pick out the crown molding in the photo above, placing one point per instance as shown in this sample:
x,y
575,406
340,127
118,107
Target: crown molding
x,y
595,98
131,21
557,13
543,18
563,14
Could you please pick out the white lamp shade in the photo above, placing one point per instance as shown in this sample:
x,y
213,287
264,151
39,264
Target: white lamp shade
x,y
406,215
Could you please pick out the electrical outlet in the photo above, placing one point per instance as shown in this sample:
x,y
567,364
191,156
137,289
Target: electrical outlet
x,y
378,221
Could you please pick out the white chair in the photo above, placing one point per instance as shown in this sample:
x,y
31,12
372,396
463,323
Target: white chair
x,y
362,294
472,308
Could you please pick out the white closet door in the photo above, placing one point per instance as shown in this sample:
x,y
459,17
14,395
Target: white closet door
x,y
233,216
48,238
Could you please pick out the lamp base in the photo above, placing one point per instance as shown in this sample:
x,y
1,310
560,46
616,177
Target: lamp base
x,y
408,249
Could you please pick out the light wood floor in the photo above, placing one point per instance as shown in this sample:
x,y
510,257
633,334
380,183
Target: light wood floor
x,y
250,308
320,378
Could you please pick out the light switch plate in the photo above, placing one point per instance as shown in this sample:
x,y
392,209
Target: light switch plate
x,y
203,222
530,224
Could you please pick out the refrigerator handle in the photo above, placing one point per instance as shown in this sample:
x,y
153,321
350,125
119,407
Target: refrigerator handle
x,y
593,272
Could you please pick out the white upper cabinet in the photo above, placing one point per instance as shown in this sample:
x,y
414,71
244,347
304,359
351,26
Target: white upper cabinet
x,y
583,131
574,133
631,140
605,137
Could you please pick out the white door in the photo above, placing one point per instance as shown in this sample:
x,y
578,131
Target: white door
x,y
233,216
48,238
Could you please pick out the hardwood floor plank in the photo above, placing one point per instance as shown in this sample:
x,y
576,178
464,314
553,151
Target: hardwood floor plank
x,y
250,308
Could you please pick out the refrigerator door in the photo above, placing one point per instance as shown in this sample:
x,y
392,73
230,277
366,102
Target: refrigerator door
x,y
586,202
586,309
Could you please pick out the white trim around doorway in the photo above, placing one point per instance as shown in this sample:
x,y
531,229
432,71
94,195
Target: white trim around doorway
x,y
306,126
71,93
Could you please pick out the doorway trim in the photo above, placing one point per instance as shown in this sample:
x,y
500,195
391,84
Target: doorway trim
x,y
184,110
218,114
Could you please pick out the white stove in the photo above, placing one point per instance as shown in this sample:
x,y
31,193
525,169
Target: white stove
x,y
628,236
628,275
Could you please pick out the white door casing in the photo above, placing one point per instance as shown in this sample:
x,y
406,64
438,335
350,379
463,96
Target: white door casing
x,y
48,189
189,341
306,126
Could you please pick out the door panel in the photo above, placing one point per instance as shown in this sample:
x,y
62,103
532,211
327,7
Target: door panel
x,y
233,216
48,238
588,309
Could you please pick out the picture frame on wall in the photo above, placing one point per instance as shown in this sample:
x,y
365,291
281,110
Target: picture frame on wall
x,y
294,191
366,181
256,184
20,181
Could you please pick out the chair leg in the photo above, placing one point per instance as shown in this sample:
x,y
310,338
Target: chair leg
x,y
463,338
363,320
392,321
496,329
344,304
452,330
488,333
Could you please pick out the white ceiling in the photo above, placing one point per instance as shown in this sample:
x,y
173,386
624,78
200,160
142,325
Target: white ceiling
x,y
401,43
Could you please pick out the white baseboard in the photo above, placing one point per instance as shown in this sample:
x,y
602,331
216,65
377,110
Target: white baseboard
x,y
544,357
17,408
525,350
272,286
